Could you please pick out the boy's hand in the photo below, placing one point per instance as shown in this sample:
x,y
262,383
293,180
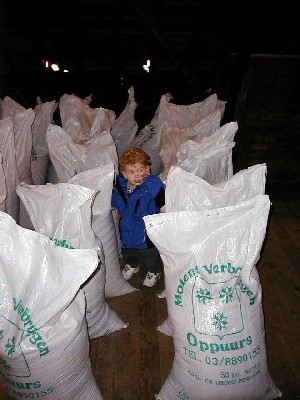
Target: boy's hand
x,y
145,175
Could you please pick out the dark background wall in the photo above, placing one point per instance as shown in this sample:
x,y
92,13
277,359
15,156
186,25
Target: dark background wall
x,y
247,53
267,111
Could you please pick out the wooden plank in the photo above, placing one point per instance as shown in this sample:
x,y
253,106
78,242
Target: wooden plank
x,y
281,301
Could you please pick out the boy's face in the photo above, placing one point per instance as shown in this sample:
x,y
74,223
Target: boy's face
x,y
136,173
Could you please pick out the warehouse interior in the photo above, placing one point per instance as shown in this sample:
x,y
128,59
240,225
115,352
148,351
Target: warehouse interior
x,y
248,54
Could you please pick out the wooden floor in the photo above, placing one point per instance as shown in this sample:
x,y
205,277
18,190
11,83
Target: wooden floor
x,y
133,363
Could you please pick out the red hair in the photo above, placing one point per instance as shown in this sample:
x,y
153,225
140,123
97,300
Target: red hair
x,y
134,155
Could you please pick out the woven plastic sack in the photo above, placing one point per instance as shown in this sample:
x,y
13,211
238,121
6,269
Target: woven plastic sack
x,y
172,138
10,107
211,161
103,224
149,130
9,162
70,158
72,105
200,143
44,346
225,134
80,121
149,138
214,299
125,126
63,212
187,192
3,190
23,144
183,116
40,153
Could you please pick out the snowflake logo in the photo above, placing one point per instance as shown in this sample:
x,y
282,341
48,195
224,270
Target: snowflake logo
x,y
226,294
1,334
4,364
182,395
219,321
10,346
203,295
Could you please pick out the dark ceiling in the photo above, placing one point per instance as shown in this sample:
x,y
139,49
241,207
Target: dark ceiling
x,y
195,47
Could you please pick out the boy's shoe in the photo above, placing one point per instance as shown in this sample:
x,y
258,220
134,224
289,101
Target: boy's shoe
x,y
151,279
128,271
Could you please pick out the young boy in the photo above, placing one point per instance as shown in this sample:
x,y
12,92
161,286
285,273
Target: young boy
x,y
138,193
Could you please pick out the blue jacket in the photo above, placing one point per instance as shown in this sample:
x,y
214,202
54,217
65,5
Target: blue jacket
x,y
146,199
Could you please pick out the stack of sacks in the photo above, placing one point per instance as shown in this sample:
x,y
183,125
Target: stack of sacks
x,y
15,147
70,159
188,116
88,129
170,116
214,300
173,138
62,212
84,140
78,118
125,127
40,153
44,347
193,121
187,192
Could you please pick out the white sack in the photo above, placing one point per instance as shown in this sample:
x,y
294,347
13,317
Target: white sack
x,y
80,121
196,120
22,123
72,105
9,162
187,192
3,189
183,116
179,117
149,130
40,153
44,349
211,162
101,179
63,212
10,107
172,138
125,126
23,144
22,120
70,158
214,300
149,138
224,134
